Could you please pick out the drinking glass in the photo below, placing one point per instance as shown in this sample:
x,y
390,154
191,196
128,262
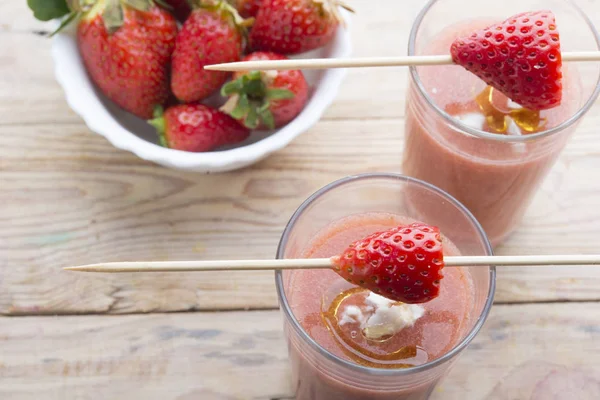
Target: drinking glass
x,y
320,375
494,175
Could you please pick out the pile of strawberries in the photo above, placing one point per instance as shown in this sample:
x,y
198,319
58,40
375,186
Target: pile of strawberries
x,y
141,59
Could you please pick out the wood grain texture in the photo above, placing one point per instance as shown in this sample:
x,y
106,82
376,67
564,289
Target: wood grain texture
x,y
242,355
68,197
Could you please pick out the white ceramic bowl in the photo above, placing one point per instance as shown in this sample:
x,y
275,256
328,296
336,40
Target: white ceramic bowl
x,y
127,132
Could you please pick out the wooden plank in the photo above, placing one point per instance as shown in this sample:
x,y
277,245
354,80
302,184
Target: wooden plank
x,y
212,356
518,348
86,201
69,198
242,355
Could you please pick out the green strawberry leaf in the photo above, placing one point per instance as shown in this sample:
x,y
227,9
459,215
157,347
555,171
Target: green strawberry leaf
x,y
264,107
163,4
158,111
159,123
252,118
242,108
267,118
162,139
235,86
46,10
279,94
140,5
113,15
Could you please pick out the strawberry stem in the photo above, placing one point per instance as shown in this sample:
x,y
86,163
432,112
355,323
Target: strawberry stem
x,y
345,6
332,8
66,21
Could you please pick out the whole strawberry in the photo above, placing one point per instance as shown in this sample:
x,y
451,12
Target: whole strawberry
x,y
127,51
265,99
196,128
520,57
295,26
403,264
246,8
213,33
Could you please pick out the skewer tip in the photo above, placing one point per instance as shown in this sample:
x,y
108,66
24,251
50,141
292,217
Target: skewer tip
x,y
85,268
75,268
213,67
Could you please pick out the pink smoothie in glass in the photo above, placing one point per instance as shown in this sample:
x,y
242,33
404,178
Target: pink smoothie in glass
x,y
314,296
494,179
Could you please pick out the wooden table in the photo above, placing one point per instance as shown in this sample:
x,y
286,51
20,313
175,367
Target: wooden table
x,y
68,197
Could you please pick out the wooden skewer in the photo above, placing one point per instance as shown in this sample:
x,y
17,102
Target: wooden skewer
x,y
325,63
323,263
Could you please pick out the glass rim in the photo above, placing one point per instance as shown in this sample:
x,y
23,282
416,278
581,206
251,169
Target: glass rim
x,y
370,370
492,136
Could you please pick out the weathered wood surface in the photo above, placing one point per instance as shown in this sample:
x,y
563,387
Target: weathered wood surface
x,y
242,355
68,197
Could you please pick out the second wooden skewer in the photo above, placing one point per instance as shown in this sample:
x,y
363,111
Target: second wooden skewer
x,y
323,263
326,63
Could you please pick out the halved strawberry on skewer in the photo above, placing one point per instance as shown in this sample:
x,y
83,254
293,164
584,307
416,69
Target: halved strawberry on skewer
x,y
521,57
403,264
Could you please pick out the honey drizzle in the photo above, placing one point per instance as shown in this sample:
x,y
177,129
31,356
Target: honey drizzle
x,y
331,322
527,120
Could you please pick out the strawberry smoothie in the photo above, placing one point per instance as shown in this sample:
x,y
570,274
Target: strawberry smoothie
x,y
319,298
477,145
347,343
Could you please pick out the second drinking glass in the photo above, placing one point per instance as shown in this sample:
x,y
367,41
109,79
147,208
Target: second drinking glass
x,y
451,139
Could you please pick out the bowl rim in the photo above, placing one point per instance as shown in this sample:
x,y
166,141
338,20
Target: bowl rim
x,y
82,99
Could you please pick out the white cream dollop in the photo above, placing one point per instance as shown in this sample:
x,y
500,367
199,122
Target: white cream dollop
x,y
474,120
381,317
352,315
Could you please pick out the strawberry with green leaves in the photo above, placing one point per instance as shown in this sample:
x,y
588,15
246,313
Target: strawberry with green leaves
x,y
126,47
214,33
295,26
265,100
403,264
520,57
196,128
